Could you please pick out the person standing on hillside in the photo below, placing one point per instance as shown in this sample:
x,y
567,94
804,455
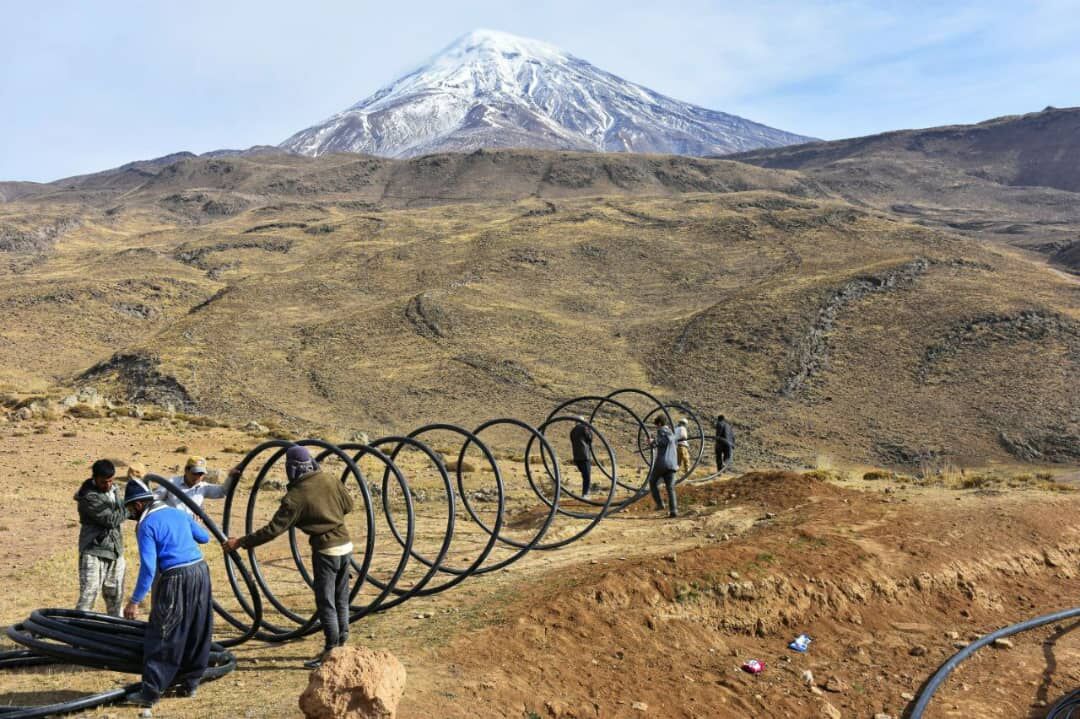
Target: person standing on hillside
x,y
193,484
664,466
581,444
101,543
316,502
682,440
176,646
725,443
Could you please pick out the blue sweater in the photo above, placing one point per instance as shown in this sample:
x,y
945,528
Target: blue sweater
x,y
166,539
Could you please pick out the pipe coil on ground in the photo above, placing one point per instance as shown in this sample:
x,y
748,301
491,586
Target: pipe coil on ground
x,y
66,636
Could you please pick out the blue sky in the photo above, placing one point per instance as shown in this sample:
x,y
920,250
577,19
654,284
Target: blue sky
x,y
89,85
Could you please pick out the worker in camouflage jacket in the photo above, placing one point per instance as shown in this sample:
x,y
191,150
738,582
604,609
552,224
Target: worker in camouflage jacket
x,y
101,543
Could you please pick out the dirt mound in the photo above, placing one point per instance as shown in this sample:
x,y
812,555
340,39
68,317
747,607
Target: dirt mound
x,y
772,490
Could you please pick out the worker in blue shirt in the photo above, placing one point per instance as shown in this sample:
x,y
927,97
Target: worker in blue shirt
x,y
178,634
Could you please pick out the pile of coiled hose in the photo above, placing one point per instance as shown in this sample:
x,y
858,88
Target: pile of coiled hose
x,y
101,641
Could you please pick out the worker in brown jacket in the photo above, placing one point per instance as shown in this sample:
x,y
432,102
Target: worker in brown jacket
x,y
316,503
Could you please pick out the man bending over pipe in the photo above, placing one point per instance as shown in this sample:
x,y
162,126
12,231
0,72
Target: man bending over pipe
x,y
316,503
178,634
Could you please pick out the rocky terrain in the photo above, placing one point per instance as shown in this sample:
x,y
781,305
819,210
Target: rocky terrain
x,y
349,292
888,574
1011,180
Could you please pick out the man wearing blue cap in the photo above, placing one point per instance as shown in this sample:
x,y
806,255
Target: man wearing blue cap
x,y
178,634
316,503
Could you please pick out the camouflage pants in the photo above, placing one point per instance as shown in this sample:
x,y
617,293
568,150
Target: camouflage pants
x,y
97,574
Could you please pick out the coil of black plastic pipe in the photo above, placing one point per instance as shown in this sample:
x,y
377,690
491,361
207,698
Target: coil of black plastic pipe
x,y
73,637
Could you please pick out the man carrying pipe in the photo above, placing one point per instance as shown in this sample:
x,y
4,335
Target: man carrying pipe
x,y
682,437
192,483
581,444
178,634
316,503
665,465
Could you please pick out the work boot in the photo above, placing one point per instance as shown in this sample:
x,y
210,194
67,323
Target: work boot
x,y
343,640
188,691
317,661
139,699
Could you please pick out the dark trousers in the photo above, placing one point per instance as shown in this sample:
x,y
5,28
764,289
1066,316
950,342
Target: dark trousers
x,y
723,454
668,479
177,643
585,467
332,596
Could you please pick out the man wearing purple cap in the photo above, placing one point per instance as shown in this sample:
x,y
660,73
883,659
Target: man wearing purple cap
x,y
316,503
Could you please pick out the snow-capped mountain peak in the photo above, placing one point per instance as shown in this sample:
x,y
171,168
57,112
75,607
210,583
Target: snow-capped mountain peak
x,y
494,89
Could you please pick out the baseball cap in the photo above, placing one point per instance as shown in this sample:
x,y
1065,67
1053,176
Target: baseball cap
x,y
196,465
683,421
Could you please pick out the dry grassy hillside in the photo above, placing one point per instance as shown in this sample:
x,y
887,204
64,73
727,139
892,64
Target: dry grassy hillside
x,y
1012,180
358,293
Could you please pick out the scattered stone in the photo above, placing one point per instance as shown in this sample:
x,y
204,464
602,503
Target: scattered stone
x,y
354,683
733,574
556,709
835,685
254,427
882,715
808,677
917,651
770,515
908,697
1002,644
640,706
23,414
830,712
359,437
953,635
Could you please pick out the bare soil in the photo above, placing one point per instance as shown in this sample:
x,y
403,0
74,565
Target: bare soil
x,y
887,576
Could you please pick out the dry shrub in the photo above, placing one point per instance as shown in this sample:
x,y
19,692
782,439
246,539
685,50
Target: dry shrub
x,y
466,466
825,475
85,411
877,474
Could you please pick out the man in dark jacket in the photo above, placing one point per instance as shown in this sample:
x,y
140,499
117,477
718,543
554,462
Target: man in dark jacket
x,y
316,503
665,465
101,543
725,442
581,443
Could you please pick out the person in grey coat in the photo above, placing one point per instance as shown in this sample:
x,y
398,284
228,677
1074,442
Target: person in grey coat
x,y
725,442
101,543
665,465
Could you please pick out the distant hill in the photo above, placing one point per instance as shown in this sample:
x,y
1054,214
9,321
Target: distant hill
x,y
1012,179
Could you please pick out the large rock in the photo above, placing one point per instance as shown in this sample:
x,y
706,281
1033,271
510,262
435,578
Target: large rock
x,y
354,683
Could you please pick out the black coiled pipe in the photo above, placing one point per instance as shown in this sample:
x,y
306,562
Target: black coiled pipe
x,y
82,638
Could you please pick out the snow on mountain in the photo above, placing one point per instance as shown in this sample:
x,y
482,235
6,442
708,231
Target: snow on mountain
x,y
492,89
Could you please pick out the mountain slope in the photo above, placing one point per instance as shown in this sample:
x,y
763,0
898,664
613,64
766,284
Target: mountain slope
x,y
365,293
1013,180
491,89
